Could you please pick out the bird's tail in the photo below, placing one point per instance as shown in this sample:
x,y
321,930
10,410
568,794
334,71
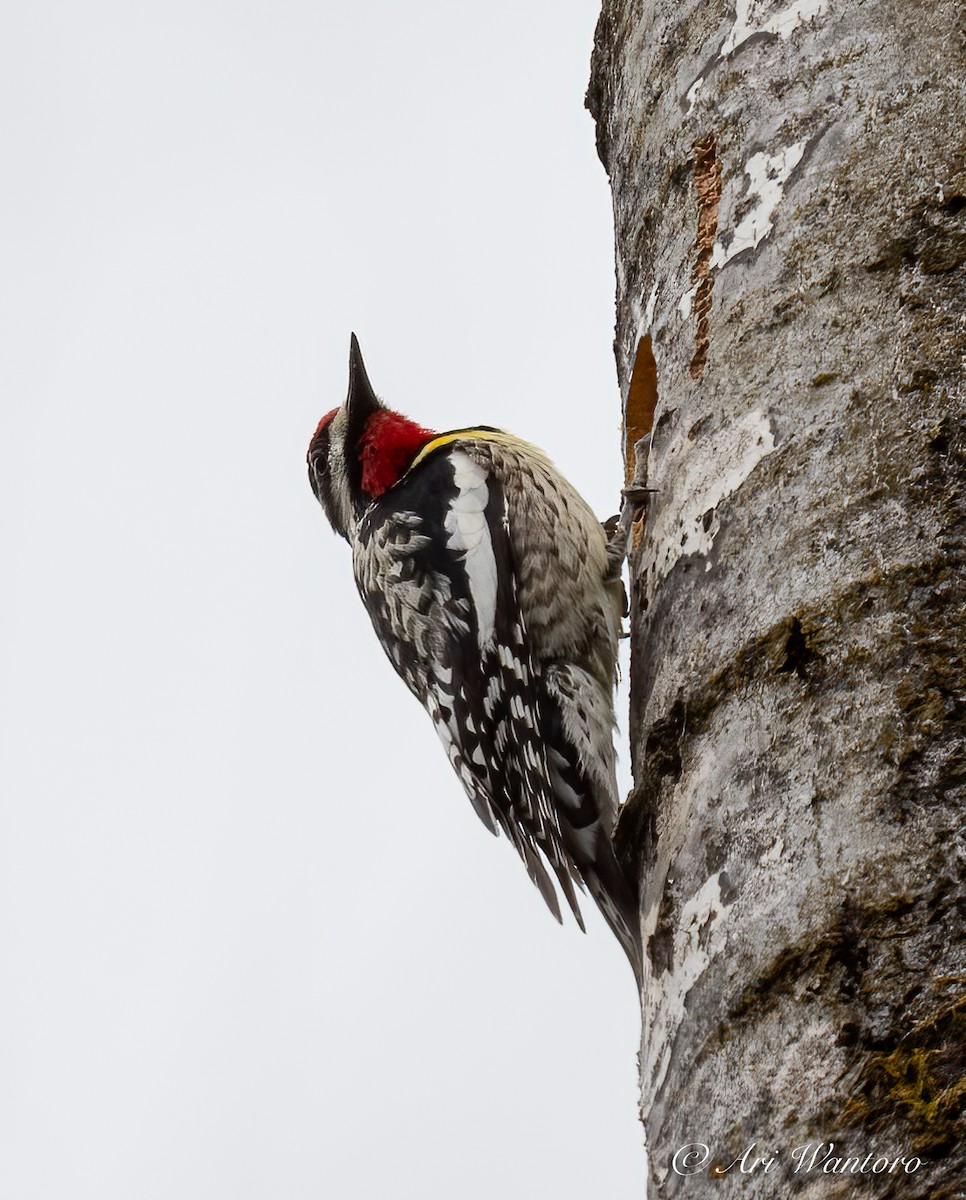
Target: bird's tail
x,y
617,900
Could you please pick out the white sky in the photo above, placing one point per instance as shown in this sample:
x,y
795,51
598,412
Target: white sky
x,y
254,943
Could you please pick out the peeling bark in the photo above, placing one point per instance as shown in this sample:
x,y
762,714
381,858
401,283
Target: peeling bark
x,y
789,184
707,186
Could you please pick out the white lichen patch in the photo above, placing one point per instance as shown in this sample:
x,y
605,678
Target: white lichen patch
x,y
698,932
693,90
767,176
783,23
703,473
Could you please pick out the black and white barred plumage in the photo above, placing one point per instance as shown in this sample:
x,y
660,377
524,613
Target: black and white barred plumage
x,y
488,583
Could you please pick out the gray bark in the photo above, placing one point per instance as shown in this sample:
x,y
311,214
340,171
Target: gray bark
x,y
790,218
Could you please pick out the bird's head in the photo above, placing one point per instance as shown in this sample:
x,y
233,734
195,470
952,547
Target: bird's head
x,y
360,450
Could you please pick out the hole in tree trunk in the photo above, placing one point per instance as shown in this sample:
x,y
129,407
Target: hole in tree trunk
x,y
640,404
797,651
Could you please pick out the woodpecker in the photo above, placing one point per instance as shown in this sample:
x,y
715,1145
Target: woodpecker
x,y
497,598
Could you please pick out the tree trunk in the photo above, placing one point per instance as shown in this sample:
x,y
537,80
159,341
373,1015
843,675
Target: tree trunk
x,y
790,212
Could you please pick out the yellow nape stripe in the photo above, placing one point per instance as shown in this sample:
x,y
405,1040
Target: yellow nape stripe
x,y
492,435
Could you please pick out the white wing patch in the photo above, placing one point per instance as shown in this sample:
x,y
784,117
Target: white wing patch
x,y
469,534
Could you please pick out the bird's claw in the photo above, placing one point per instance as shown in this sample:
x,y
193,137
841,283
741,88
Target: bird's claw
x,y
634,501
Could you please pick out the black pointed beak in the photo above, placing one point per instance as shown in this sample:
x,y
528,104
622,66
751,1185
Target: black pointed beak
x,y
362,400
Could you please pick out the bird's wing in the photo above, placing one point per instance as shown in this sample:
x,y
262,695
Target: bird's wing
x,y
434,565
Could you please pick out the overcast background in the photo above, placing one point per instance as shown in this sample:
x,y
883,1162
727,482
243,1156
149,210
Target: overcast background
x,y
254,943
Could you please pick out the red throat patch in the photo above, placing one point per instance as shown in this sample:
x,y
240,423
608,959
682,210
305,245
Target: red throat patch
x,y
388,445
